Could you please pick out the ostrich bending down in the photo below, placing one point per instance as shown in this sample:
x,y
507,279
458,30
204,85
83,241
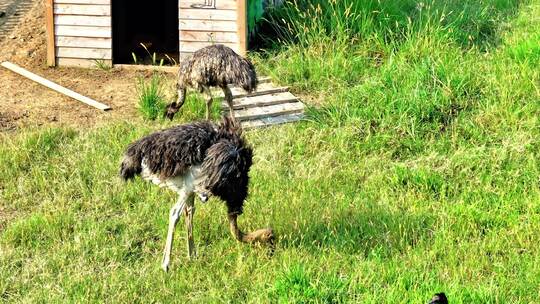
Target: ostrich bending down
x,y
198,158
213,66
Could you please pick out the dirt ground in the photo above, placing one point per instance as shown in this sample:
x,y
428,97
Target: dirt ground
x,y
26,103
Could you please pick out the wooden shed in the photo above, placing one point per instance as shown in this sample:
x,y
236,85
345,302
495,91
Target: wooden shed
x,y
82,32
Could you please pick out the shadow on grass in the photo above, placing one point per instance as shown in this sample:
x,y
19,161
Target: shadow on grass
x,y
373,233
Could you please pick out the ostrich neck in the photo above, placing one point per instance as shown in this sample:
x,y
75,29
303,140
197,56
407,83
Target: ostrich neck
x,y
235,231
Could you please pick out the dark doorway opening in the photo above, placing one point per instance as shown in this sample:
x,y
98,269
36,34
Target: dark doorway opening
x,y
153,24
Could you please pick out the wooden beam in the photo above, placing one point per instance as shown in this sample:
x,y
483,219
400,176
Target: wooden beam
x,y
53,86
269,111
242,26
82,63
271,121
49,24
139,67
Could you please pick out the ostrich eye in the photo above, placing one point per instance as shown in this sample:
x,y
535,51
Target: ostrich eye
x,y
203,197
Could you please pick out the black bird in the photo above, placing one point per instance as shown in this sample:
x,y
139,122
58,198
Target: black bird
x,y
439,298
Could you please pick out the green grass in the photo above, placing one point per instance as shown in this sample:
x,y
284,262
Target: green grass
x,y
151,96
417,172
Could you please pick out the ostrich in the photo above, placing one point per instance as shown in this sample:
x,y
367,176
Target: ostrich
x,y
198,158
213,66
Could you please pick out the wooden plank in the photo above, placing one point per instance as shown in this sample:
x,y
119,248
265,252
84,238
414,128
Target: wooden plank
x,y
242,26
217,37
49,25
207,14
264,79
81,63
262,100
84,53
108,2
207,25
138,67
238,92
192,46
83,31
53,86
262,89
220,4
84,42
272,121
269,111
79,9
82,20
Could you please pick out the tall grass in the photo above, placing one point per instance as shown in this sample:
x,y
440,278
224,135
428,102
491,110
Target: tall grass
x,y
416,172
325,43
469,22
151,96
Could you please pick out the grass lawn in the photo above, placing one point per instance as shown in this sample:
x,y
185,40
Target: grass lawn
x,y
418,171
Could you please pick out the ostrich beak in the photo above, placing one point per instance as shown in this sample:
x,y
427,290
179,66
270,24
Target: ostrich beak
x,y
171,110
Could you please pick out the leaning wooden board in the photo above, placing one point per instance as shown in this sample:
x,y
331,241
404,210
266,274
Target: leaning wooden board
x,y
53,86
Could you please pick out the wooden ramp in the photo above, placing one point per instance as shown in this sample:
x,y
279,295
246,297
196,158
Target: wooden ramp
x,y
268,105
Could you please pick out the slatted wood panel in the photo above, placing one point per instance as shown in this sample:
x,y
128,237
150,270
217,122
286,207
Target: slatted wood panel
x,y
262,100
265,106
82,20
192,46
80,63
220,4
227,37
83,28
207,25
207,14
272,120
83,32
87,53
269,111
200,27
84,42
85,10
83,1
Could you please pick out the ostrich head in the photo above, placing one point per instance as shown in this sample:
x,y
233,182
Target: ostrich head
x,y
226,166
226,170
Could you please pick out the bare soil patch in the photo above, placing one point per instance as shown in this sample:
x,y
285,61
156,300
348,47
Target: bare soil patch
x,y
24,102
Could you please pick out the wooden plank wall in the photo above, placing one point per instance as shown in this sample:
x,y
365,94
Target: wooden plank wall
x,y
83,32
83,29
200,27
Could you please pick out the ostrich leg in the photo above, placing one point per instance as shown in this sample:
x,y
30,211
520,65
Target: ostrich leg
x,y
229,99
190,211
173,107
174,215
208,102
